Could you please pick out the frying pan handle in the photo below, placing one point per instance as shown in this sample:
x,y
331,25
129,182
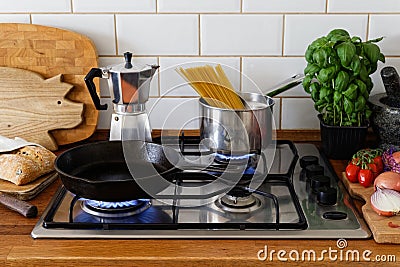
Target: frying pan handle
x,y
93,73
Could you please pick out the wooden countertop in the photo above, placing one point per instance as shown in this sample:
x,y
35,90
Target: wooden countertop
x,y
17,248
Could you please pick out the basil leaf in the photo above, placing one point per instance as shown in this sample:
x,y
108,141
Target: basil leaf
x,y
355,65
309,54
318,43
375,40
360,104
337,97
351,92
341,81
324,92
372,52
348,106
320,57
356,40
311,69
382,58
314,87
306,83
364,75
346,52
325,75
362,87
338,35
373,67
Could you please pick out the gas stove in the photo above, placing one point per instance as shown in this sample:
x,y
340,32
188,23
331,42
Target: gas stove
x,y
300,197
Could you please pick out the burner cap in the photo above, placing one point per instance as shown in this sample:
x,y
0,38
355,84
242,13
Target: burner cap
x,y
238,204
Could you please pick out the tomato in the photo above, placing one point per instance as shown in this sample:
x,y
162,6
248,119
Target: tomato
x,y
365,177
379,163
352,172
374,168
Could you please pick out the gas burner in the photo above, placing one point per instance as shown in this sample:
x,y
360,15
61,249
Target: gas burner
x,y
115,209
227,158
251,161
238,204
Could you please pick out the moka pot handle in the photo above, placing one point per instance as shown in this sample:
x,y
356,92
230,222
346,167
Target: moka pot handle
x,y
93,73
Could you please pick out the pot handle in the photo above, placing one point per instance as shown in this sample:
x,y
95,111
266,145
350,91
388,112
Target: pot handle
x,y
286,85
93,73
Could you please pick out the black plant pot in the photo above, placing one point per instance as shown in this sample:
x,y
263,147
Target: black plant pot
x,y
341,142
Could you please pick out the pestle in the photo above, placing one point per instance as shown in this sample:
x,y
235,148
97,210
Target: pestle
x,y
391,81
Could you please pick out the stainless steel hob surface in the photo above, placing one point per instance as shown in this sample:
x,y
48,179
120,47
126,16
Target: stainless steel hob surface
x,y
300,214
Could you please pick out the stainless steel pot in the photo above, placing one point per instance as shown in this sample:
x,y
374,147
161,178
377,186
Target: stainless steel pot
x,y
238,132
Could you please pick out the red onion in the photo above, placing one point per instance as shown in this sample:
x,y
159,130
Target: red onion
x,y
389,161
386,202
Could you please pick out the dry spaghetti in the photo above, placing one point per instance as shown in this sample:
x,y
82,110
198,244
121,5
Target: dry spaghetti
x,y
213,85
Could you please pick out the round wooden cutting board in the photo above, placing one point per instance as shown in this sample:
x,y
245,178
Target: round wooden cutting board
x,y
51,51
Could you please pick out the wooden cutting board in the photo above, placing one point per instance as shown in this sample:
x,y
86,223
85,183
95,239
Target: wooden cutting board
x,y
31,106
379,225
30,190
51,51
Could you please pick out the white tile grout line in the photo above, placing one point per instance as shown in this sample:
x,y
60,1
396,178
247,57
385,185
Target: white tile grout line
x,y
72,6
115,35
368,26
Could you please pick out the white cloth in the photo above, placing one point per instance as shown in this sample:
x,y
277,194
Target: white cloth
x,y
8,144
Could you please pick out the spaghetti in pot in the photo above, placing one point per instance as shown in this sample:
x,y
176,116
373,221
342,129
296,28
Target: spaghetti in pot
x,y
213,86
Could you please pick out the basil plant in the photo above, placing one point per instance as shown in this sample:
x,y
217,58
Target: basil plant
x,y
338,77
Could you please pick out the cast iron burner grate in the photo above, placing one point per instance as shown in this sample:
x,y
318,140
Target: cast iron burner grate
x,y
240,208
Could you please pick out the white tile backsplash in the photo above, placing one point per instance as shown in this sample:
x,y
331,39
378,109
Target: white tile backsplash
x,y
299,113
386,26
173,113
199,6
287,6
99,28
265,40
363,6
29,6
267,73
15,18
301,30
241,34
158,34
114,6
172,84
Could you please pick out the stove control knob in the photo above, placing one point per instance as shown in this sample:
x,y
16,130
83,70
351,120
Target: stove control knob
x,y
327,196
308,160
314,169
334,215
319,181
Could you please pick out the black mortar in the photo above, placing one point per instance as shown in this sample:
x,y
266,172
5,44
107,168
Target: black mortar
x,y
386,109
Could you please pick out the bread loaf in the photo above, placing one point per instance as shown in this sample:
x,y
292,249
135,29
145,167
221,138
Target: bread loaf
x,y
26,164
